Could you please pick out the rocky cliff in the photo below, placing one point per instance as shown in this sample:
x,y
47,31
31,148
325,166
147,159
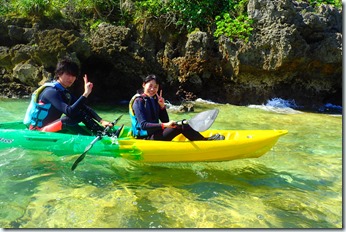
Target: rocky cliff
x,y
295,52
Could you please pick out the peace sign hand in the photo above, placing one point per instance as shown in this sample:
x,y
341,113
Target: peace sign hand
x,y
88,86
161,100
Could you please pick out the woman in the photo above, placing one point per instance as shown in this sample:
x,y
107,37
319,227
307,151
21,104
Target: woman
x,y
150,119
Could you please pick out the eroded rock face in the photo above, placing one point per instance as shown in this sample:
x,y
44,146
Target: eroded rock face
x,y
295,52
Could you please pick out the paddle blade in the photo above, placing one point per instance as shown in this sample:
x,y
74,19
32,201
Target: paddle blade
x,y
116,120
119,131
81,157
203,121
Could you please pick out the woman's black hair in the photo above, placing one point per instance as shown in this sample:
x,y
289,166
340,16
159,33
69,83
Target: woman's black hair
x,y
150,78
67,66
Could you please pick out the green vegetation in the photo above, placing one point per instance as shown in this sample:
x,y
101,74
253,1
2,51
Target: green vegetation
x,y
239,27
337,3
234,24
221,17
28,8
90,13
187,15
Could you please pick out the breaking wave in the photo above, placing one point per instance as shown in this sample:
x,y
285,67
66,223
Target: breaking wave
x,y
279,105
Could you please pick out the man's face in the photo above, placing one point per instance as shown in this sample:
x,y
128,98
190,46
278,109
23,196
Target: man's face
x,y
66,80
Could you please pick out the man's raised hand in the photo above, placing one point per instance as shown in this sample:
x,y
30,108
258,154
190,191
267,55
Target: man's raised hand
x,y
88,86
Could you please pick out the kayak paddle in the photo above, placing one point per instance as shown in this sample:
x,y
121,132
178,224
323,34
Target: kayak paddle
x,y
99,137
202,121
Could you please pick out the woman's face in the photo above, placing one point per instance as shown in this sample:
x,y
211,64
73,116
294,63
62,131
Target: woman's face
x,y
150,88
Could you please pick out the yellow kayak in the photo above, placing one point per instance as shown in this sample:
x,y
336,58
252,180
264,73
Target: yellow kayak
x,y
238,144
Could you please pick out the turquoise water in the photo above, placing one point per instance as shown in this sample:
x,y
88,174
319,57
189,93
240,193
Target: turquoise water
x,y
298,184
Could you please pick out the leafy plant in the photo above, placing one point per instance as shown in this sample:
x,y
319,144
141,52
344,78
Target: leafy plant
x,y
229,16
234,24
196,14
337,3
184,14
234,28
151,8
32,7
5,7
95,24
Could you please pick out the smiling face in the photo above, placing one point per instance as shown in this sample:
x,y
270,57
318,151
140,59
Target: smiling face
x,y
151,88
66,79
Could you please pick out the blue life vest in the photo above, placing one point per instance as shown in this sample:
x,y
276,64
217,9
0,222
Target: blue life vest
x,y
38,111
137,131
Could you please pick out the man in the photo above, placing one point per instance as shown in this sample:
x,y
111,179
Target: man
x,y
51,100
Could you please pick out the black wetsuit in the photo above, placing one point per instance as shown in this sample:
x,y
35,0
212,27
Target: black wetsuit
x,y
149,114
63,102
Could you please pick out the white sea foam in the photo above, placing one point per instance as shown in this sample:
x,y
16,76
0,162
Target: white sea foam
x,y
280,110
178,108
172,107
200,100
278,105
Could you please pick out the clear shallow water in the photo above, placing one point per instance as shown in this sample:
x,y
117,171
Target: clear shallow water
x,y
298,184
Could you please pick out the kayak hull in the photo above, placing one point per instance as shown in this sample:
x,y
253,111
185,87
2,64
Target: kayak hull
x,y
238,144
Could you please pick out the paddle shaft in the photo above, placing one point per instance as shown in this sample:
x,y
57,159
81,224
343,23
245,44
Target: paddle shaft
x,y
99,137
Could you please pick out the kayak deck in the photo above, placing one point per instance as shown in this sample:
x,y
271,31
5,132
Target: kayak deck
x,y
238,144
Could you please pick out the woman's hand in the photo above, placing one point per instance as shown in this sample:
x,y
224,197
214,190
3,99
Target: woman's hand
x,y
88,86
161,100
170,124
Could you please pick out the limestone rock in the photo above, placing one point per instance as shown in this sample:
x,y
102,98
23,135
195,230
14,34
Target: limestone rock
x,y
294,52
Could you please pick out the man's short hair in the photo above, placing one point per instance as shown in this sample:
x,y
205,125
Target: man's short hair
x,y
67,66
